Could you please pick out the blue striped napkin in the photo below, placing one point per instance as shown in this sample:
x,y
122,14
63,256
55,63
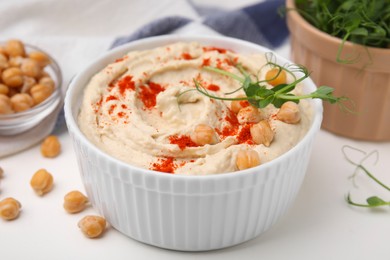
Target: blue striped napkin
x,y
259,23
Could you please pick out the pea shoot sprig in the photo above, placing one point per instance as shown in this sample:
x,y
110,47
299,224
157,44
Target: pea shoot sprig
x,y
259,95
372,201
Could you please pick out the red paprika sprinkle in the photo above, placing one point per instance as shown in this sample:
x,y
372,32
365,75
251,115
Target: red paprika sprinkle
x,y
213,87
244,103
228,62
186,56
244,136
220,64
121,59
121,114
232,118
98,104
164,165
182,141
111,110
148,94
111,97
212,48
206,62
126,83
232,128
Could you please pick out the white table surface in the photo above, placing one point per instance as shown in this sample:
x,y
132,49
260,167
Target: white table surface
x,y
319,225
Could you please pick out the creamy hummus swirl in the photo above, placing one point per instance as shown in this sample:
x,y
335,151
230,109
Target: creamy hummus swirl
x,y
143,108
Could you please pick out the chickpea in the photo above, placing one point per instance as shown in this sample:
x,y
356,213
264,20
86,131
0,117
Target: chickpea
x,y
28,82
44,74
41,58
289,113
9,208
4,89
92,226
247,159
237,105
276,76
5,105
3,51
47,81
204,134
21,102
262,133
15,48
249,114
13,77
1,172
40,93
3,61
50,147
30,68
42,182
12,92
75,201
15,61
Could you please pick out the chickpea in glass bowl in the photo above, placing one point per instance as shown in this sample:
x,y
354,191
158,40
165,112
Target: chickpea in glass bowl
x,y
30,86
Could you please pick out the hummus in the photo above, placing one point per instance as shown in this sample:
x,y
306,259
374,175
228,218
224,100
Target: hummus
x,y
143,109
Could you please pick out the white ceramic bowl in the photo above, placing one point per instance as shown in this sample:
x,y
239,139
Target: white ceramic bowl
x,y
189,213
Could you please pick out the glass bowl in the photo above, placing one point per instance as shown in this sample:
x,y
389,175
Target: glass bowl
x,y
17,123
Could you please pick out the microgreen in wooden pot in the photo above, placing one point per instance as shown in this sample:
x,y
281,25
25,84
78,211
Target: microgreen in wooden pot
x,y
364,22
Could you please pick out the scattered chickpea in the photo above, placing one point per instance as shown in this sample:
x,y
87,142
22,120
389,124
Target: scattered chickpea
x,y
262,133
40,93
42,182
204,134
13,77
289,113
9,208
21,102
50,147
5,105
92,226
237,105
247,159
276,76
75,201
249,114
15,48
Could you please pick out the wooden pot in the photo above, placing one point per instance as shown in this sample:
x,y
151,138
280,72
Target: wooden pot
x,y
366,82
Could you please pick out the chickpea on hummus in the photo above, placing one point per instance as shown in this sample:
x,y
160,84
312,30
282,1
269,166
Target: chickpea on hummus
x,y
144,109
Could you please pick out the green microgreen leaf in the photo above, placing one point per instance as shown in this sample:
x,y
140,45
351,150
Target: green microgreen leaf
x,y
260,96
372,201
375,201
